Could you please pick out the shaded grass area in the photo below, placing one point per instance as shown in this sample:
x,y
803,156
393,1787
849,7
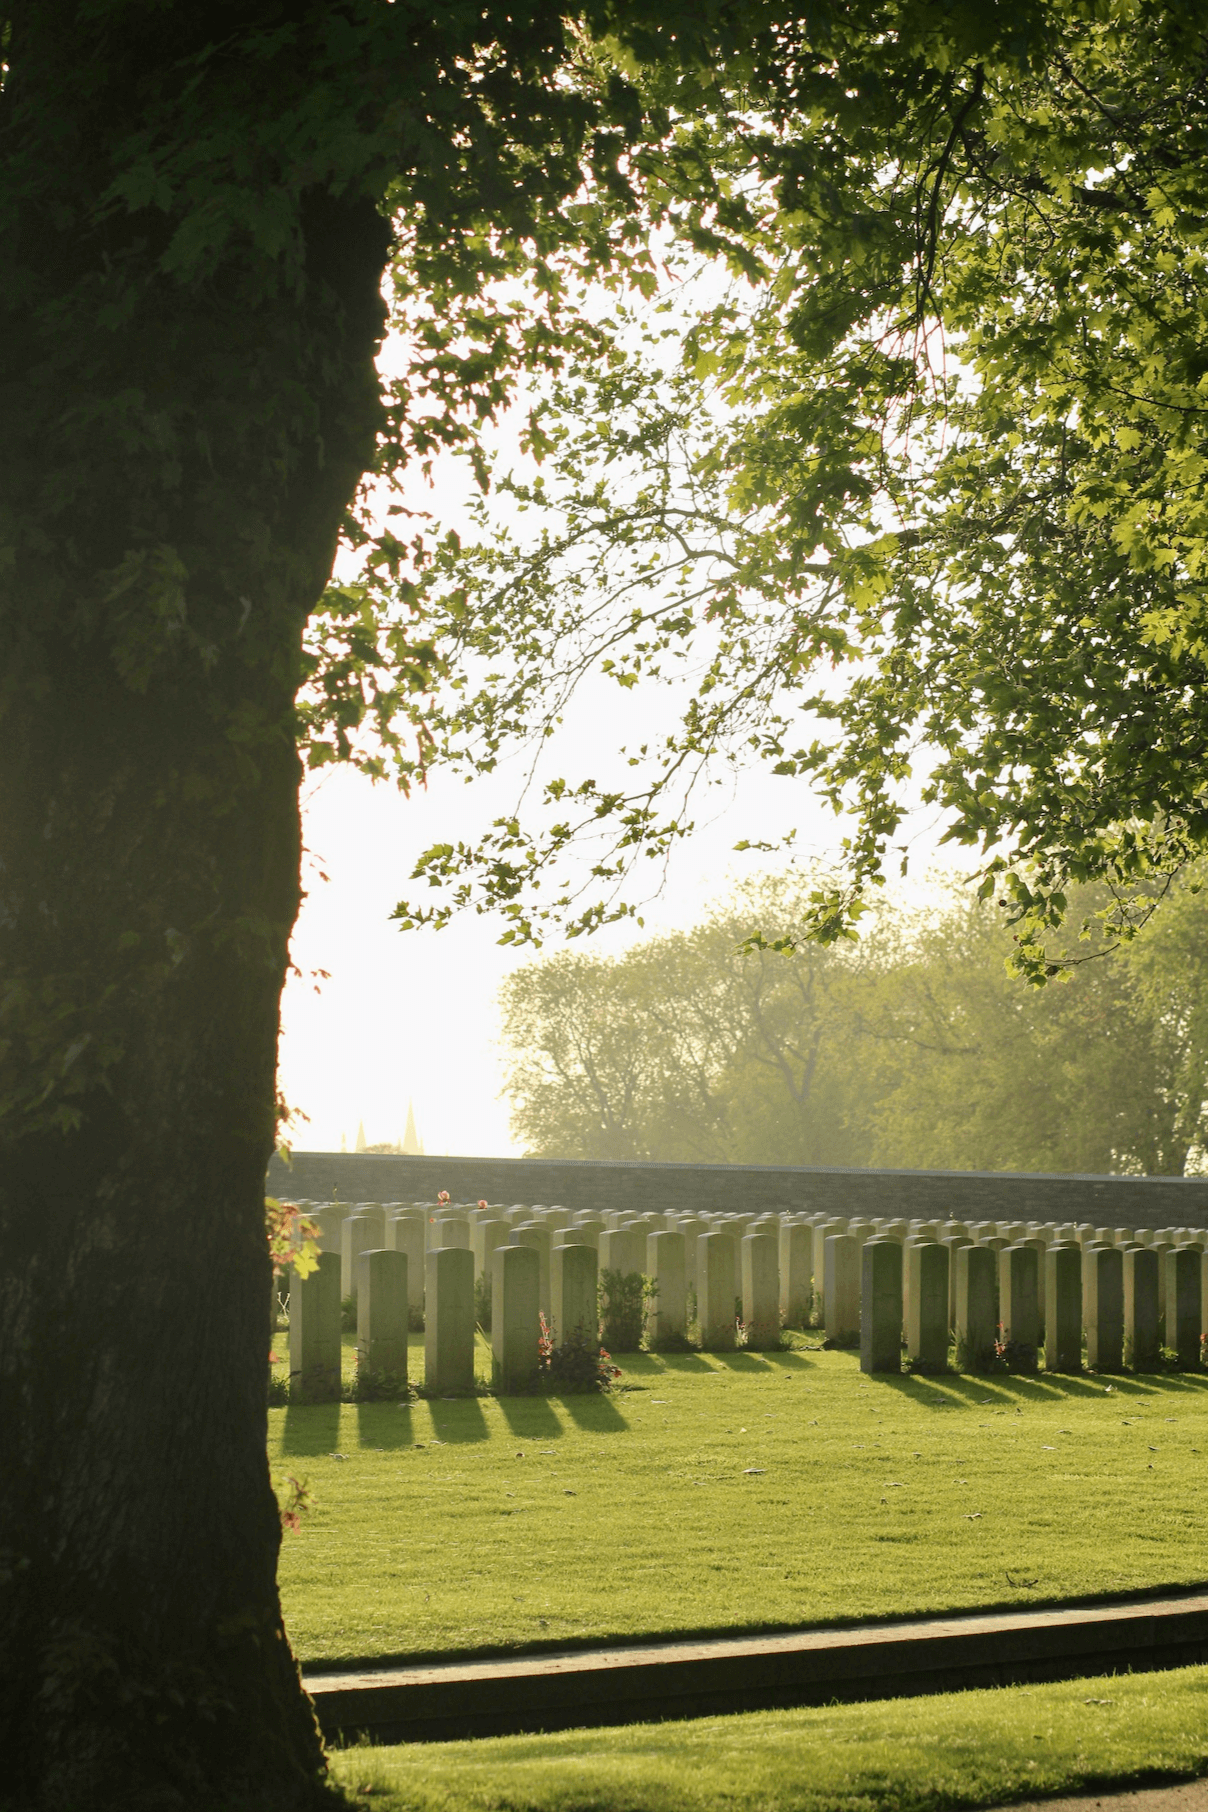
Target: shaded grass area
x,y
906,1755
732,1492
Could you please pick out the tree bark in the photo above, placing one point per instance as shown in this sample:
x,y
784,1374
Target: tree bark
x,y
178,454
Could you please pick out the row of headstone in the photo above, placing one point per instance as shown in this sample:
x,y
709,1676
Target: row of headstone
x,y
1110,1294
531,1278
816,1264
382,1296
419,1227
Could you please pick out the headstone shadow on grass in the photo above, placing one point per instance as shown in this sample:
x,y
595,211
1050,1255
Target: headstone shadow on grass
x,y
976,1391
916,1389
459,1420
384,1425
593,1413
1011,1386
942,1391
1132,1384
530,1418
311,1428
1072,1384
1180,1383
970,1390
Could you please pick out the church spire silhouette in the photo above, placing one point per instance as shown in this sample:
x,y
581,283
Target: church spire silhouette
x,y
413,1145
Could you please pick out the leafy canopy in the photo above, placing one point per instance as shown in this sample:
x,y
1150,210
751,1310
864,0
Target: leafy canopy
x,y
920,502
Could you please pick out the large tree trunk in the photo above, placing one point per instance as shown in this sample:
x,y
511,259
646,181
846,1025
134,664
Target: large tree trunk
x,y
176,459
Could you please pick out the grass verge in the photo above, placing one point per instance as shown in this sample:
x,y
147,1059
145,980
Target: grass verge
x,y
907,1755
727,1493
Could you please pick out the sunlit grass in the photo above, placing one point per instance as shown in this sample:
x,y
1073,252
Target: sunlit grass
x,y
907,1755
725,1493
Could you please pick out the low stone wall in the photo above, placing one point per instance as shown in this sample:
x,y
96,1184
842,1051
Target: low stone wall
x,y
599,1187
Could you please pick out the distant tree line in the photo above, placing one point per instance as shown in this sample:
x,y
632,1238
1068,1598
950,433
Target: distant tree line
x,y
910,1047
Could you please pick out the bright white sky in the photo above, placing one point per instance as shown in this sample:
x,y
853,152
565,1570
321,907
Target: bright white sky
x,y
411,1016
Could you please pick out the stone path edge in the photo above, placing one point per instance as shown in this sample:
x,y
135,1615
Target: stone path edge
x,y
577,1688
1149,1794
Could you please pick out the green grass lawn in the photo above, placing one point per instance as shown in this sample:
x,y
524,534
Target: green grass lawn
x,y
906,1755
726,1493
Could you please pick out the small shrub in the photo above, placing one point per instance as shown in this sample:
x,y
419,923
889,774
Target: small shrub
x,y
623,1296
278,1392
348,1314
667,1343
293,1498
314,1387
377,1386
293,1239
573,1366
482,1302
1168,1360
1015,1355
978,1359
672,1343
